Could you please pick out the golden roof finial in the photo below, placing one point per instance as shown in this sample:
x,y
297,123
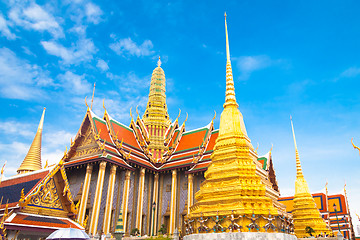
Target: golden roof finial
x,y
86,103
131,113
355,147
272,145
92,99
299,172
137,111
214,116
179,114
230,98
32,161
2,172
159,62
326,188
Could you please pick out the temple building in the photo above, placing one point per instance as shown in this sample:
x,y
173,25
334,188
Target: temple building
x,y
147,172
153,174
36,201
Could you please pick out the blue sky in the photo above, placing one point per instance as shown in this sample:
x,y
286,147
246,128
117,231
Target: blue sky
x,y
288,57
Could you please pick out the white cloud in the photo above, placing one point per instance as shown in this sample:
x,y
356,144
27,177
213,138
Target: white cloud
x,y
351,72
102,65
13,153
81,52
249,64
17,128
75,83
93,13
33,16
4,29
128,46
19,79
57,138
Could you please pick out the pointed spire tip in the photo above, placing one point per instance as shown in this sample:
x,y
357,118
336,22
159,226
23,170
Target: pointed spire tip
x,y
159,62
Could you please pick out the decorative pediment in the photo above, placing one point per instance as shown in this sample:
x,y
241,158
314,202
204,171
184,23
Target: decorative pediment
x,y
47,196
86,145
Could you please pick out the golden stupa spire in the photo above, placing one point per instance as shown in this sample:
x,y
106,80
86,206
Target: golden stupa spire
x,y
305,212
156,117
32,161
230,98
299,172
232,184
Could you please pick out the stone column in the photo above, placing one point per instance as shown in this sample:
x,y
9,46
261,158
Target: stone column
x,y
85,194
156,201
109,200
173,202
97,199
190,196
125,199
140,200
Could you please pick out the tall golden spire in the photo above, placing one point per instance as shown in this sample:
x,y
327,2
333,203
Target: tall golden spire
x,y
32,161
230,98
237,125
305,212
231,182
299,173
156,117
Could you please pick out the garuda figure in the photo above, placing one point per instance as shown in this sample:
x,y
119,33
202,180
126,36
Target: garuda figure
x,y
233,225
188,227
217,220
202,227
269,224
253,224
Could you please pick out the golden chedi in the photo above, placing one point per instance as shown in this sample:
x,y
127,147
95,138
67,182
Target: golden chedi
x,y
305,213
32,161
231,184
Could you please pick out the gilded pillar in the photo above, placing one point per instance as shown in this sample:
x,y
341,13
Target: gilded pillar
x,y
97,199
140,201
173,202
190,196
125,200
156,201
85,194
109,200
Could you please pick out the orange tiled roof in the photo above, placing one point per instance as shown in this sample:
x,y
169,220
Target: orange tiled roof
x,y
191,139
123,147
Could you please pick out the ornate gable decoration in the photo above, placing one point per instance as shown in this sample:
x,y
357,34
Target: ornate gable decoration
x,y
46,193
47,196
85,143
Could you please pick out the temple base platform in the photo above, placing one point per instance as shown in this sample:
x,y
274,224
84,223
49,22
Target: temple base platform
x,y
240,235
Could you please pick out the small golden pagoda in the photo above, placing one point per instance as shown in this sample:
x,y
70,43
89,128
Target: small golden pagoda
x,y
156,118
231,184
305,213
32,161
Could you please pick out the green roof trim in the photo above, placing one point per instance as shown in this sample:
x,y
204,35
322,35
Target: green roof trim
x,y
195,131
265,162
121,125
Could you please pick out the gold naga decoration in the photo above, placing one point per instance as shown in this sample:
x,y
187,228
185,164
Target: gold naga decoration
x,y
84,223
355,147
